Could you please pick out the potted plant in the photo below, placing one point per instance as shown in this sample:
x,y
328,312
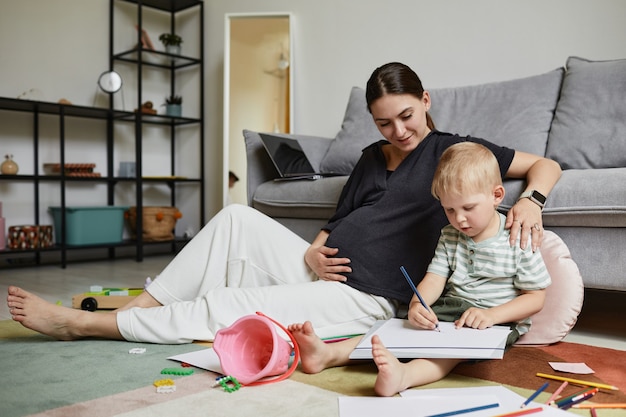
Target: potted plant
x,y
173,106
172,42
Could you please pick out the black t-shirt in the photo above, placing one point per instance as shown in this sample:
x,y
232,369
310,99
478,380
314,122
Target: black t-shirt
x,y
383,222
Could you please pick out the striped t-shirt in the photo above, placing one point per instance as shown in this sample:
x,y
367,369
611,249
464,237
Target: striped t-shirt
x,y
488,273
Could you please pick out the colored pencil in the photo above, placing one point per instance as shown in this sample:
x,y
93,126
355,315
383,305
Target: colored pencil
x,y
567,404
576,394
578,381
466,410
600,405
414,288
535,394
557,392
334,339
521,412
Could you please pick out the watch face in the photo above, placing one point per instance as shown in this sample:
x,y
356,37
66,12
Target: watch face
x,y
110,81
539,197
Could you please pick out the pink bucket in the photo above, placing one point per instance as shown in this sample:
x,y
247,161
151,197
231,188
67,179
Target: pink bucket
x,y
251,349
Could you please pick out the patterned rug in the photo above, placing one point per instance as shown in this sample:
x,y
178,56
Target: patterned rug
x,y
102,379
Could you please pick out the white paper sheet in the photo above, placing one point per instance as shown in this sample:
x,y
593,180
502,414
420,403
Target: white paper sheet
x,y
203,359
573,368
411,406
426,402
405,341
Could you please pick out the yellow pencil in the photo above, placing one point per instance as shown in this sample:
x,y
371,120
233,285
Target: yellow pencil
x,y
578,381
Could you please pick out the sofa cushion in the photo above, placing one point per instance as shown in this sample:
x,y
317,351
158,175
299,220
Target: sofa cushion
x,y
357,131
516,113
299,199
564,298
589,128
581,198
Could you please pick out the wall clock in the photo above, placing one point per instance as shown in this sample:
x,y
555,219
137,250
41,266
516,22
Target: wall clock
x,y
110,82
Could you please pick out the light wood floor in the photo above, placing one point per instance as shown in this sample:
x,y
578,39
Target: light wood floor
x,y
601,323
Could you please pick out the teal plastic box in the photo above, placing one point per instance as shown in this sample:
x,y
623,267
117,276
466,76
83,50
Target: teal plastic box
x,y
89,225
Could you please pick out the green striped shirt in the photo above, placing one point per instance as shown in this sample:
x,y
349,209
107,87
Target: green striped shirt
x,y
488,273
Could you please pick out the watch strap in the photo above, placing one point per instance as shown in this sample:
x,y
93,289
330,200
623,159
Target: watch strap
x,y
534,196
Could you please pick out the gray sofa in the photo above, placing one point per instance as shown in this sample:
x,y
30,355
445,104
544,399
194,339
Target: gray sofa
x,y
575,115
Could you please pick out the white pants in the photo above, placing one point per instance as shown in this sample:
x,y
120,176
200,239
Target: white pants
x,y
242,262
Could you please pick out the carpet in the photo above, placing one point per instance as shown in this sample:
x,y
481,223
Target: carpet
x,y
521,364
44,377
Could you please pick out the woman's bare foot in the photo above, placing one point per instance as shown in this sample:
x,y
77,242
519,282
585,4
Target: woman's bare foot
x,y
317,355
391,372
53,320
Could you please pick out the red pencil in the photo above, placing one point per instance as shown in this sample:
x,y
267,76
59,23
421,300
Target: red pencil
x,y
521,412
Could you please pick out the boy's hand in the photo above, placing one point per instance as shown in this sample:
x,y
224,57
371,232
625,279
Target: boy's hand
x,y
476,318
422,318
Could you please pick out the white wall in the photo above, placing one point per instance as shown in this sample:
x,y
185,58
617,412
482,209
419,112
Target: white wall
x,y
61,46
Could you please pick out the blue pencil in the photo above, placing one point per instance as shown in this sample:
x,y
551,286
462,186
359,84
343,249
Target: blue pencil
x,y
466,410
535,394
419,297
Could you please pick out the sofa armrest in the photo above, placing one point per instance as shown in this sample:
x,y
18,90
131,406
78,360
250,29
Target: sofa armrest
x,y
259,165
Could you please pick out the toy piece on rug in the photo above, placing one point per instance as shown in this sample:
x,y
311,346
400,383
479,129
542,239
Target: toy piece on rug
x,y
177,371
228,383
165,386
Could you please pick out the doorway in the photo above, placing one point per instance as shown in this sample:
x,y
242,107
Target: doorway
x,y
258,88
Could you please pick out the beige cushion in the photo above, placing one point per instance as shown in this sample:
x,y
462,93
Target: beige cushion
x,y
564,298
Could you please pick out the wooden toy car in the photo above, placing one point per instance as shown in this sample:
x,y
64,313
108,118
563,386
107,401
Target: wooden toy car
x,y
106,299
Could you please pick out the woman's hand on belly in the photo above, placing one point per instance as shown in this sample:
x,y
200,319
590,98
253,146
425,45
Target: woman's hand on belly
x,y
321,260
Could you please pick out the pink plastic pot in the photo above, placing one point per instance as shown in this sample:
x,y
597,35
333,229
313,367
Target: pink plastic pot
x,y
251,349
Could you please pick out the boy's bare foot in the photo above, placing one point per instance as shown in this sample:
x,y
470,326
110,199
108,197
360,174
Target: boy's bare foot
x,y
37,314
317,355
312,348
391,372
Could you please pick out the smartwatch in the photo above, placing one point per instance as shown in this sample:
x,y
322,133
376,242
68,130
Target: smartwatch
x,y
534,196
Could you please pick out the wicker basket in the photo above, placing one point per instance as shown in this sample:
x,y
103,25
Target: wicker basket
x,y
158,223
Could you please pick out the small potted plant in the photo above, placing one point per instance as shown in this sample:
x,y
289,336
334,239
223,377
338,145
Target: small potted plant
x,y
172,42
173,106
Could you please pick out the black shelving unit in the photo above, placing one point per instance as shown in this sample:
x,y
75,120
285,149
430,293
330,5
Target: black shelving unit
x,y
138,57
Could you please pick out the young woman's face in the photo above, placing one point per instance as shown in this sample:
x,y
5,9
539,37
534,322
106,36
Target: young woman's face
x,y
401,118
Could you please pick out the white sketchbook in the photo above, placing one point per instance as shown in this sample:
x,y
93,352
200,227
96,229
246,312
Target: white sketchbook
x,y
405,341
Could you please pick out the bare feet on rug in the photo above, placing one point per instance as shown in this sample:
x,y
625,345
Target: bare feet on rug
x,y
391,372
317,355
53,320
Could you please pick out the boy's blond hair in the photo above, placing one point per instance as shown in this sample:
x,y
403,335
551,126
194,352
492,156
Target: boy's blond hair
x,y
466,167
